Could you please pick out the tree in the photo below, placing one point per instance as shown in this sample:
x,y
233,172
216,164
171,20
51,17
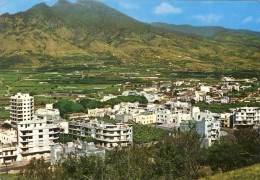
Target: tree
x,y
36,169
224,154
249,142
64,138
7,126
67,107
180,155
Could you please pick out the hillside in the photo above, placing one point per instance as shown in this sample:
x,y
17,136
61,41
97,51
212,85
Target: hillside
x,y
89,30
206,31
251,172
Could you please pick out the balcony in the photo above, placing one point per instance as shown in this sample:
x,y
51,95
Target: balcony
x,y
111,134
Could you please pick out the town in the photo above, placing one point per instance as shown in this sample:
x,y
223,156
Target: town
x,y
35,133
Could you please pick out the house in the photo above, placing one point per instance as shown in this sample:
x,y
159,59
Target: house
x,y
145,118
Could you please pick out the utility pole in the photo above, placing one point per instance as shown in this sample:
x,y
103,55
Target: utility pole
x,y
6,168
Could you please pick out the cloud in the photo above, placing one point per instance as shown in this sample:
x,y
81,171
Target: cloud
x,y
210,18
166,8
247,19
127,5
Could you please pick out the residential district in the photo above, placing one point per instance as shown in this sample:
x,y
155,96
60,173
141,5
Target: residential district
x,y
35,133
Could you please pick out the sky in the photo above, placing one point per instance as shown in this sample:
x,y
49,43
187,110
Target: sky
x,y
234,14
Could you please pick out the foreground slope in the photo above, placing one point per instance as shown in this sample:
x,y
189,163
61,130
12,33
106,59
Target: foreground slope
x,y
91,30
251,172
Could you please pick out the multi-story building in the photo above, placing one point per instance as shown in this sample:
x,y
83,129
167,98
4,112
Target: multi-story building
x,y
35,137
209,128
108,135
206,125
225,120
22,108
246,117
35,133
8,153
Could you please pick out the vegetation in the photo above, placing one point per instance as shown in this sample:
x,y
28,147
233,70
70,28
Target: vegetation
x,y
241,150
4,114
7,125
68,107
250,172
92,104
220,108
64,138
7,176
179,156
146,134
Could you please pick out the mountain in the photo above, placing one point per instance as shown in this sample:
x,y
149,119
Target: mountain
x,y
206,31
89,30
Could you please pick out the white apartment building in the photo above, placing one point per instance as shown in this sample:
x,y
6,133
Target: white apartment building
x,y
108,135
246,116
35,134
22,107
209,128
35,137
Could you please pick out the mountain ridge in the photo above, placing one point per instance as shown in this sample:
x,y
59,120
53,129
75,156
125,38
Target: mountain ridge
x,y
206,31
43,34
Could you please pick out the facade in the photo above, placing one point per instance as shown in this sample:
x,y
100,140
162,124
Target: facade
x,y
225,120
22,107
35,138
98,112
8,153
209,128
246,117
108,135
145,118
8,136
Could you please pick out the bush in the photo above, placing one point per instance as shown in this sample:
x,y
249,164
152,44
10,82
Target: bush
x,y
7,126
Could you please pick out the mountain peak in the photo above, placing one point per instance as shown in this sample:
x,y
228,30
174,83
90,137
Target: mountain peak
x,y
40,6
63,3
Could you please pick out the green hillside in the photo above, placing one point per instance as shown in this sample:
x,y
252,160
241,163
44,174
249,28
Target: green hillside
x,y
68,33
251,172
206,31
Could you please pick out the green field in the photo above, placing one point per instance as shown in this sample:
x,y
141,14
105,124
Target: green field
x,y
5,176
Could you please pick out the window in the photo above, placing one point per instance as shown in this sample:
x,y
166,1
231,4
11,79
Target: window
x,y
40,136
40,130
